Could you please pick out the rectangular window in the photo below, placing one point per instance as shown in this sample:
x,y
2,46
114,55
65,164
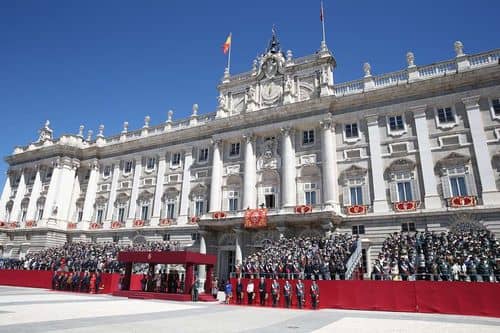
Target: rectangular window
x,y
404,191
406,227
233,204
87,175
496,106
144,213
270,201
396,123
199,207
100,213
445,115
358,229
107,171
308,137
79,217
203,155
40,214
351,131
235,149
356,195
170,210
176,159
166,237
458,187
310,197
23,216
121,214
128,167
150,165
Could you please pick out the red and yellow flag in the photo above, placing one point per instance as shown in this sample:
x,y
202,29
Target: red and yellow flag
x,y
227,45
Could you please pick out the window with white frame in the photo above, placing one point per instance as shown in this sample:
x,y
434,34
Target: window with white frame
x,y
203,155
107,171
308,137
99,215
232,197
234,149
199,205
445,115
128,167
408,226
396,123
459,181
175,159
121,214
48,174
79,214
403,187
355,192
269,196
495,108
24,211
358,229
150,163
39,214
145,212
310,193
170,208
351,131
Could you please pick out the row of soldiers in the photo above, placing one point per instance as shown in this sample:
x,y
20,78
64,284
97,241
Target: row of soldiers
x,y
275,291
84,282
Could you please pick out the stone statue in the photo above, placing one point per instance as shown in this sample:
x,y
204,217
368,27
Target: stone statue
x,y
410,59
101,131
170,115
45,133
251,95
195,110
367,69
147,119
125,127
222,102
459,48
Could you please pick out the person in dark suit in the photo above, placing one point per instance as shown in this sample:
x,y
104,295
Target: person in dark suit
x,y
299,291
98,280
239,291
275,292
287,292
262,291
314,295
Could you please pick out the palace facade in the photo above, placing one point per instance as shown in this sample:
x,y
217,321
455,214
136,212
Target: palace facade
x,y
416,149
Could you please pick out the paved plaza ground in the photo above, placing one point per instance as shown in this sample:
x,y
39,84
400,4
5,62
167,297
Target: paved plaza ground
x,y
38,310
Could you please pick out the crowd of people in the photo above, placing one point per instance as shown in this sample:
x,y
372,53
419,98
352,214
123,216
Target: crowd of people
x,y
81,257
85,282
446,256
322,258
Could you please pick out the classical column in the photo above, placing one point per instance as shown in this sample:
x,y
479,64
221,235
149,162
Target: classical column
x,y
21,189
329,164
203,250
50,208
5,197
35,195
68,167
238,257
135,191
377,166
112,193
250,174
490,193
160,176
288,169
186,187
75,194
216,183
431,196
90,194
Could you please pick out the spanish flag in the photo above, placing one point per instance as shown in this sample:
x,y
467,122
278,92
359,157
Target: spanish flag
x,y
227,45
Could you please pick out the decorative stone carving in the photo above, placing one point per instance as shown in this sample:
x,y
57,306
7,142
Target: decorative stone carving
x,y
125,127
101,131
269,158
222,102
89,135
410,59
147,119
195,110
233,169
308,159
465,221
367,69
80,131
459,48
46,133
251,101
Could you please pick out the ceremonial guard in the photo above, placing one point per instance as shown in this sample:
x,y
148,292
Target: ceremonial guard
x,y
299,291
262,291
239,291
287,292
250,291
314,295
275,292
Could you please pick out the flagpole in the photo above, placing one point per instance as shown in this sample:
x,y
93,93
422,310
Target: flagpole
x,y
323,22
229,55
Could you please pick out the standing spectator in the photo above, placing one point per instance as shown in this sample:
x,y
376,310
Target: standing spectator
x,y
250,291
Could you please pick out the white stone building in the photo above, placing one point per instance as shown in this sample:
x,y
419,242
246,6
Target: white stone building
x,y
414,149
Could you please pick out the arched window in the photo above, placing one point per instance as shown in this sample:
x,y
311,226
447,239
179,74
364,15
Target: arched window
x,y
40,204
356,190
121,205
144,202
457,178
403,184
24,209
232,193
199,200
170,198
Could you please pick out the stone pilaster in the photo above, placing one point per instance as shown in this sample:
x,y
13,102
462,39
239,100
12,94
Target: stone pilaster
x,y
183,217
135,191
377,166
329,165
250,174
288,169
112,194
90,194
216,183
35,195
160,176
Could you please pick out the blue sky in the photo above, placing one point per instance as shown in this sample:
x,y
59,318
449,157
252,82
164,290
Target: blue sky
x,y
92,62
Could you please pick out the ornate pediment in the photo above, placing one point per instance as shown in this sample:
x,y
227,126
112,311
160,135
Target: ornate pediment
x,y
268,158
453,160
354,171
402,165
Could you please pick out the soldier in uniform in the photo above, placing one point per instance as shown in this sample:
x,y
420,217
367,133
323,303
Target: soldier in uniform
x,y
275,292
262,291
314,295
299,291
287,292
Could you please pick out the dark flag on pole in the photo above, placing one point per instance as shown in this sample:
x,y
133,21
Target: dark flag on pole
x,y
321,12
